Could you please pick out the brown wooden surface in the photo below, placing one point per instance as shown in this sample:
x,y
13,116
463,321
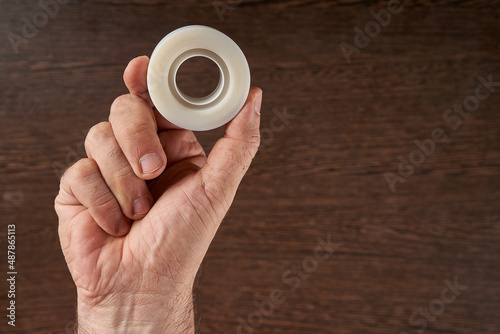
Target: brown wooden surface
x,y
322,174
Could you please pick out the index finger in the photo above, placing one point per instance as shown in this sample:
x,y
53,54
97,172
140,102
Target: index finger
x,y
135,78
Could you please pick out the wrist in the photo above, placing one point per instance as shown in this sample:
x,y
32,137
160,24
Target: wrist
x,y
136,313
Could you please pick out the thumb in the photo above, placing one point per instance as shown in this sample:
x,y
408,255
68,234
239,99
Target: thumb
x,y
231,156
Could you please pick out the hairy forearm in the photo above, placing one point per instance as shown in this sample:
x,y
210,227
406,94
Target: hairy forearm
x,y
146,314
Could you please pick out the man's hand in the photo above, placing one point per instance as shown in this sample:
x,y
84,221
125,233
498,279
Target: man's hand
x,y
137,216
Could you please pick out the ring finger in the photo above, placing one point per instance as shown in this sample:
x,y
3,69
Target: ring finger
x,y
130,191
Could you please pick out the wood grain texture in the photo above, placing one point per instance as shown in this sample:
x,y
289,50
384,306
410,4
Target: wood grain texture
x,y
321,174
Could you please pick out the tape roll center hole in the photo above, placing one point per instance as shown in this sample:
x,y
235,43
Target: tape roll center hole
x,y
198,78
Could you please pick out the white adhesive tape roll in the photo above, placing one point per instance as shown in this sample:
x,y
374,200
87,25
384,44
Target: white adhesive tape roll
x,y
213,110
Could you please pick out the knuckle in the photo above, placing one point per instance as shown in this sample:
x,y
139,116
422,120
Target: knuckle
x,y
128,127
134,132
105,201
114,153
196,149
246,151
216,195
187,136
251,145
97,134
122,104
125,173
254,142
83,169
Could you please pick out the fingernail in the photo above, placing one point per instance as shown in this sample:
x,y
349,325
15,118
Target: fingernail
x,y
150,163
141,206
124,227
257,102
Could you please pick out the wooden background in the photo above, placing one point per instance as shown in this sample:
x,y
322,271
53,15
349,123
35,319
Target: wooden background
x,y
321,174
